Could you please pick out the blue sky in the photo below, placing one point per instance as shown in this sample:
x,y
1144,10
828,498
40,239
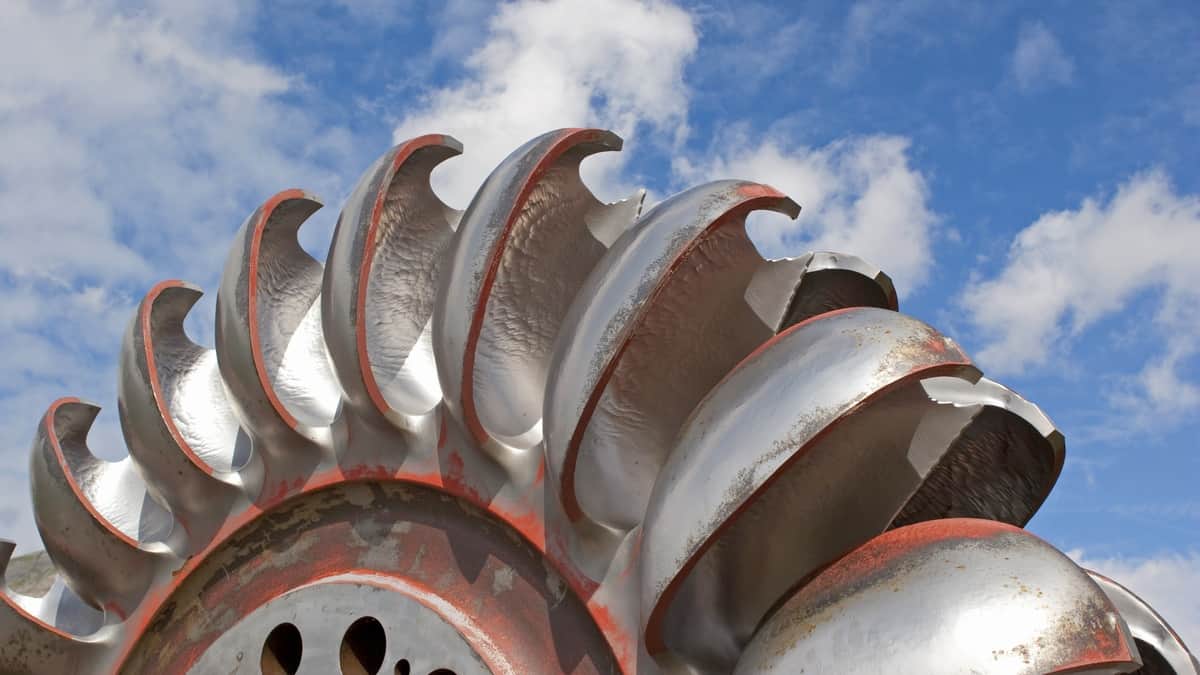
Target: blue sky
x,y
1026,173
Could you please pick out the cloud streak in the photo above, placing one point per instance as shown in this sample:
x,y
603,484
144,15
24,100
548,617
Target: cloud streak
x,y
1038,61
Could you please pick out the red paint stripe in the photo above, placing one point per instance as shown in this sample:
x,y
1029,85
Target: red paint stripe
x,y
653,632
256,233
52,437
568,139
528,525
368,258
152,371
765,197
20,611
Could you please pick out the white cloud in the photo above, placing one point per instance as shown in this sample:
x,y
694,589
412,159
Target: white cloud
x,y
1170,583
1071,269
1039,60
116,123
858,195
135,142
565,63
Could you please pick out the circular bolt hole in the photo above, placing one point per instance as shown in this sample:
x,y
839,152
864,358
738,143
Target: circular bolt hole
x,y
443,671
282,651
402,667
363,647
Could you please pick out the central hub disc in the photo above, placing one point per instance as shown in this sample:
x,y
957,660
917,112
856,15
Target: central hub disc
x,y
362,577
352,623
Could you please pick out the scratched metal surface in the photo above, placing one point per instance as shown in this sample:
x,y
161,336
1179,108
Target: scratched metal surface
x,y
546,434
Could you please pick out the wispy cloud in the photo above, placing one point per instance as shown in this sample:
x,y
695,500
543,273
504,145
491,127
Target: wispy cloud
x,y
901,27
747,43
867,23
1039,60
1183,511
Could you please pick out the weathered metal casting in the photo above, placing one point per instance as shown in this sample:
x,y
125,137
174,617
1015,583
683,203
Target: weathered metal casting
x,y
552,435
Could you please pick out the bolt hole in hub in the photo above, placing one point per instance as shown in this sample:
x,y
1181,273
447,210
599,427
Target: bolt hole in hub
x,y
362,652
403,668
363,647
282,651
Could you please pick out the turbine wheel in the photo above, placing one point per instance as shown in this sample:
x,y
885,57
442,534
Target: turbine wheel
x,y
547,434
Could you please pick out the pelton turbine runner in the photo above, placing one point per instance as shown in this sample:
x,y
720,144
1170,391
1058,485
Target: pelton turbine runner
x,y
553,435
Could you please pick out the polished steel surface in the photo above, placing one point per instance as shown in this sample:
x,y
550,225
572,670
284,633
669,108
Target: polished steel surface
x,y
96,519
1161,649
672,285
177,423
947,596
523,249
384,265
708,529
551,435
